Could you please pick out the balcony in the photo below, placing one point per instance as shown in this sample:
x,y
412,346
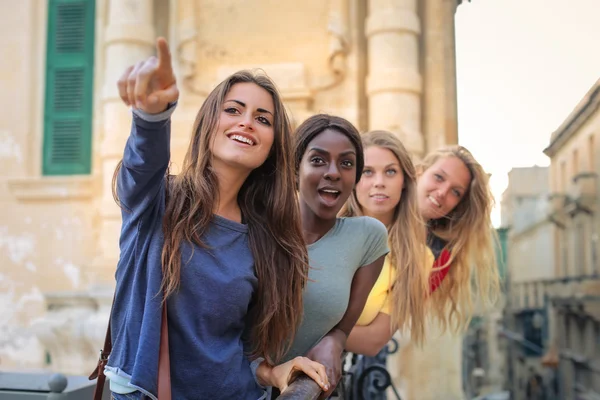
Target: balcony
x,y
579,364
556,209
537,294
583,193
555,323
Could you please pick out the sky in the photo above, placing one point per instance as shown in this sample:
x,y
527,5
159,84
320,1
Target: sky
x,y
522,66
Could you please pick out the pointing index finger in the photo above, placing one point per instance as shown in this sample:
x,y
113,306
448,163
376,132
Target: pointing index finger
x,y
164,54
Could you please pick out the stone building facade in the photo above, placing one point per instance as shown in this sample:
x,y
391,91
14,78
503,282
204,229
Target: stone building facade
x,y
555,313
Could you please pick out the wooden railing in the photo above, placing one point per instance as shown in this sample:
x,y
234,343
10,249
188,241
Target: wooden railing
x,y
303,388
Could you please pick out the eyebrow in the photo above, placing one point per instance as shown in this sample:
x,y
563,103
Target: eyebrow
x,y
320,150
241,103
387,166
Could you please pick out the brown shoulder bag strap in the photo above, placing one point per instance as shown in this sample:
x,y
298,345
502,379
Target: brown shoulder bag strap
x,y
164,365
102,360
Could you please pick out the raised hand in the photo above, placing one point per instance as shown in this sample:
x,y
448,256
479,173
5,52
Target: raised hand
x,y
150,85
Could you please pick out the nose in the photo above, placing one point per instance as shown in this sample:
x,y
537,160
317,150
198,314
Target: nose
x,y
333,172
247,121
379,181
443,191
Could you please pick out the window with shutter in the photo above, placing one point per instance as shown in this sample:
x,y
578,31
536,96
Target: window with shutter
x,y
69,87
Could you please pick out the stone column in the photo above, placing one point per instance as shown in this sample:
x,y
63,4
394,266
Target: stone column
x,y
129,38
439,70
394,83
184,46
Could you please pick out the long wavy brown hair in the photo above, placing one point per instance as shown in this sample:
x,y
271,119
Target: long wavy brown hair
x,y
406,237
267,200
471,240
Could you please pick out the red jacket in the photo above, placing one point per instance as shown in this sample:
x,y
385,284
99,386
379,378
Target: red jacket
x,y
437,276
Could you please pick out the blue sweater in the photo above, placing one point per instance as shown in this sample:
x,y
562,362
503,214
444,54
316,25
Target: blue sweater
x,y
207,317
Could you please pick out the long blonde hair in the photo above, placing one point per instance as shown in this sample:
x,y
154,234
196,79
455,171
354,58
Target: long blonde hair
x,y
406,236
268,202
470,238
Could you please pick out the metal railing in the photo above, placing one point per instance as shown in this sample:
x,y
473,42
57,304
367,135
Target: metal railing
x,y
364,378
32,386
367,378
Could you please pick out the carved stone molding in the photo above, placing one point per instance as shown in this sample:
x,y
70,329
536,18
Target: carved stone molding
x,y
339,47
186,45
52,188
73,329
187,55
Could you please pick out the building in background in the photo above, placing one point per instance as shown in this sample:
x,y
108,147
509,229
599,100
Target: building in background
x,y
524,238
381,64
574,152
553,316
484,367
530,240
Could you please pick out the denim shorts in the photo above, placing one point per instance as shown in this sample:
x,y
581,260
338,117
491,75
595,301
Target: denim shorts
x,y
128,396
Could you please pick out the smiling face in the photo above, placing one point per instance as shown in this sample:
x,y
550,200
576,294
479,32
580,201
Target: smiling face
x,y
442,186
380,188
327,174
244,134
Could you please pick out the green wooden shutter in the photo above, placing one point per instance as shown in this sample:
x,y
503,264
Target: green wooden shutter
x,y
69,88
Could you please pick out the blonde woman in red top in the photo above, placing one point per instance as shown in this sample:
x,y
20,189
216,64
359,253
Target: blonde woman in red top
x,y
456,202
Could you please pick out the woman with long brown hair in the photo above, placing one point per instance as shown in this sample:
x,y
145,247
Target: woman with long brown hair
x,y
220,244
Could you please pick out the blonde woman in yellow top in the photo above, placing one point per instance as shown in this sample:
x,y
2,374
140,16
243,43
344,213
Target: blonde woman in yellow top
x,y
388,191
445,202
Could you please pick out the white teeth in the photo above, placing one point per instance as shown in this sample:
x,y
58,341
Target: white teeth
x,y
434,201
330,191
242,139
380,196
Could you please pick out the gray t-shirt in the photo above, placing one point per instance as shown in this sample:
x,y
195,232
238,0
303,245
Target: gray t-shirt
x,y
349,245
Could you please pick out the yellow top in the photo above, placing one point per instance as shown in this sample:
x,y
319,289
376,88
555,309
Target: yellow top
x,y
380,298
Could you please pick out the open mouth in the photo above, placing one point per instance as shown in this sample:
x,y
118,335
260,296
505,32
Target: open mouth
x,y
434,201
329,195
242,139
